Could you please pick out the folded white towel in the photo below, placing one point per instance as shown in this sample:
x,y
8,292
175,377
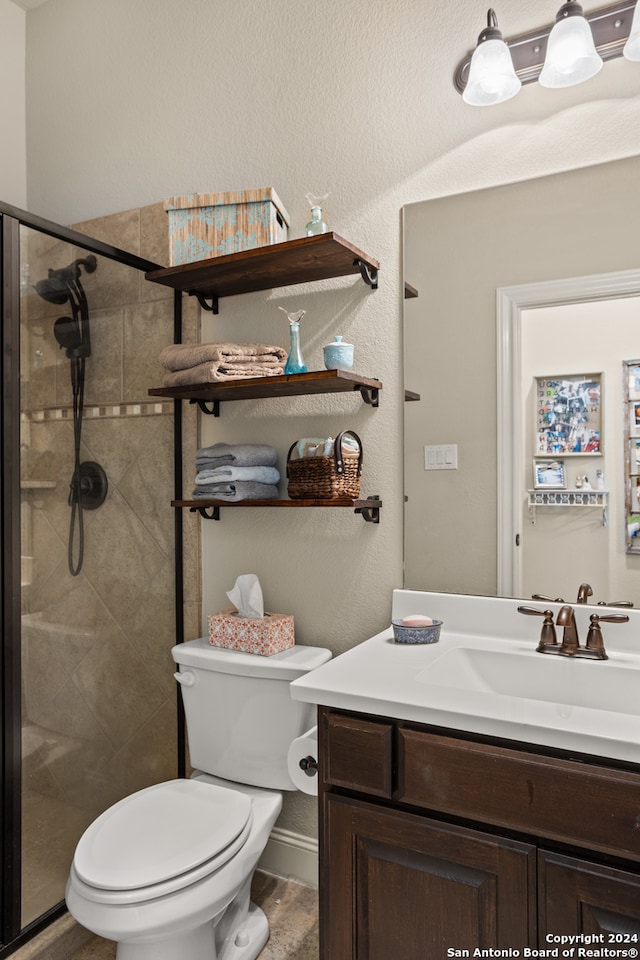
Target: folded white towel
x,y
181,356
228,473
220,372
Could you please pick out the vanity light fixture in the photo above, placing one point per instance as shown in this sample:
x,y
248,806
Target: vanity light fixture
x,y
562,54
492,77
631,48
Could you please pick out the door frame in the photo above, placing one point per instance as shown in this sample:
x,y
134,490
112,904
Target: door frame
x,y
511,303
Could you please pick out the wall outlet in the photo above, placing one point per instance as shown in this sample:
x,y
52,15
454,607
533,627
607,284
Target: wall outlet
x,y
441,456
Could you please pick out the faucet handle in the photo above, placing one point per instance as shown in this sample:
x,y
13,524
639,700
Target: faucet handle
x,y
540,596
534,612
615,603
594,646
611,618
548,636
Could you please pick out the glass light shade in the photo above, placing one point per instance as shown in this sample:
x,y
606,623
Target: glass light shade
x,y
571,54
631,48
492,77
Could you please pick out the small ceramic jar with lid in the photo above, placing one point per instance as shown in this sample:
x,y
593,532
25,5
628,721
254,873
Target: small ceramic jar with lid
x,y
338,355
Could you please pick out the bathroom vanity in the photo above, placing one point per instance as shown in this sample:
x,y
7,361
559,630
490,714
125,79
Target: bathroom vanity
x,y
461,811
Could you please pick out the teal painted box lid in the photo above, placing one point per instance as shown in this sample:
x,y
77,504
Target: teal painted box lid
x,y
204,225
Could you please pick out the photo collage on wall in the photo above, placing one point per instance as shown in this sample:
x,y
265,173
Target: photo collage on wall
x,y
569,415
632,375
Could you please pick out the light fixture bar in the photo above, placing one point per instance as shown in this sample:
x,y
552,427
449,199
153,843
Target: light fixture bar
x,y
610,27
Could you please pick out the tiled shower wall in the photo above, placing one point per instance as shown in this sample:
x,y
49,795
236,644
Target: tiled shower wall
x,y
99,699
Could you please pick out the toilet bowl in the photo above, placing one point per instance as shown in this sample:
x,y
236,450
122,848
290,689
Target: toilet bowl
x,y
188,896
167,871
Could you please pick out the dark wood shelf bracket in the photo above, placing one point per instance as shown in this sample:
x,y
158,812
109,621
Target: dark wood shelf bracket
x,y
369,395
370,514
207,513
212,408
368,272
207,303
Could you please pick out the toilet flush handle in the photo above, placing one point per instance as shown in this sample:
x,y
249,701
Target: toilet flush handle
x,y
186,678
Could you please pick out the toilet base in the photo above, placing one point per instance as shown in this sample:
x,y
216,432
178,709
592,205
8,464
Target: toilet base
x,y
200,944
249,939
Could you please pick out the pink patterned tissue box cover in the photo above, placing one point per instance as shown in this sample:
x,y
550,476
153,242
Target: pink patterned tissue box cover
x,y
261,635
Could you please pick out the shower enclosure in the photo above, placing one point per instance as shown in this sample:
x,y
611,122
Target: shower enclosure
x,y
91,551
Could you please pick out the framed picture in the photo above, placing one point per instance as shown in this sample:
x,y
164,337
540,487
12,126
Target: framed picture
x,y
569,415
549,475
633,379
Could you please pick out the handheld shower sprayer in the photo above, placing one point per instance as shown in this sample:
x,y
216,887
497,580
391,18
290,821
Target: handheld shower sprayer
x,y
88,486
63,286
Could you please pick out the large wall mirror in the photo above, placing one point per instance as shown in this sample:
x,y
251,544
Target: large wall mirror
x,y
520,287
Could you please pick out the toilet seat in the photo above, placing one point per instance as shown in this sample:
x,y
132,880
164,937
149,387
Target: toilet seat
x,y
160,840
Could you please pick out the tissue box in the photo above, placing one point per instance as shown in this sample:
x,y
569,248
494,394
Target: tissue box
x,y
261,635
213,224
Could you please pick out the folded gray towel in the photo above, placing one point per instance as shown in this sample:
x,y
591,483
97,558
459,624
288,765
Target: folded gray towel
x,y
180,356
240,490
227,473
236,454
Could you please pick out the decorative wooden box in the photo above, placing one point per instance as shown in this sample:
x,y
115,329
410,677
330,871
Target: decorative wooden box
x,y
261,635
204,225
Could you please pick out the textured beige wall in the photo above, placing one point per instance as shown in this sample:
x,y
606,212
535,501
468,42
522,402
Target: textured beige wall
x,y
346,97
13,161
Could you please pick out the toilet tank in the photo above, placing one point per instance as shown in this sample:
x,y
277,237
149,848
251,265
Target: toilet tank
x,y
239,712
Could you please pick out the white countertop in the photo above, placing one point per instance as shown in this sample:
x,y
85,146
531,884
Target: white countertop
x,y
407,682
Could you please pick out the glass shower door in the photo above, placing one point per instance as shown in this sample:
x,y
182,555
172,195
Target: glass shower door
x,y
97,550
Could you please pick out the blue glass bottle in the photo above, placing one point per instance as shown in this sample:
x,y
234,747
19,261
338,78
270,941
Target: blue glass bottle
x,y
316,225
295,362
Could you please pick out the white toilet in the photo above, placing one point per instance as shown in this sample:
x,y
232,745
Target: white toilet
x,y
167,871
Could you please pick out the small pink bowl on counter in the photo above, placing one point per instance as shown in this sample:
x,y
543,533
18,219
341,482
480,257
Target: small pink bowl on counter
x,y
416,629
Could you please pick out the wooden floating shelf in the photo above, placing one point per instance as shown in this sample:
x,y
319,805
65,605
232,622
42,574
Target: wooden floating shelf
x,y
288,385
369,508
277,265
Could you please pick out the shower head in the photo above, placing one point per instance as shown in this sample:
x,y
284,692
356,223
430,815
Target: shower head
x,y
63,286
57,288
53,290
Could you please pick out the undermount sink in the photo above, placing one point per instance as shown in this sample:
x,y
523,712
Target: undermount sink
x,y
596,685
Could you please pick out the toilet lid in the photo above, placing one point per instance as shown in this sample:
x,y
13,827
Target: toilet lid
x,y
159,833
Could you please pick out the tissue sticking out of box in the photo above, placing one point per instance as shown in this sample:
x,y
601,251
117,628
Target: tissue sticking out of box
x,y
246,596
251,629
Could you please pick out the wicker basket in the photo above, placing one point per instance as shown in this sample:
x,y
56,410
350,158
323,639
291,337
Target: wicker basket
x,y
336,477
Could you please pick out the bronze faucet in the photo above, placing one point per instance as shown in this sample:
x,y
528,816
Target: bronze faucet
x,y
570,646
566,618
584,592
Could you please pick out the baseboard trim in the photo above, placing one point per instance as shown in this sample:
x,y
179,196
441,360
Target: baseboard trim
x,y
291,855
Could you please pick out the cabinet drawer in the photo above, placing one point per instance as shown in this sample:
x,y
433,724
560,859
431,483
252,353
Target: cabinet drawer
x,y
357,754
578,803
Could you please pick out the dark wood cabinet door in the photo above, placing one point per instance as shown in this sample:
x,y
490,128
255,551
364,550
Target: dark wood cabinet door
x,y
577,896
396,885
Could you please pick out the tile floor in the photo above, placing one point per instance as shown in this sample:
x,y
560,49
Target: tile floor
x,y
292,909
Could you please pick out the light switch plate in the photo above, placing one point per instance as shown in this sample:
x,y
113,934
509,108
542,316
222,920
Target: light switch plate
x,y
441,456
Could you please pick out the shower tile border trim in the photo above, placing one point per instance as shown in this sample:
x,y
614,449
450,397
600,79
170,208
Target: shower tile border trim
x,y
103,411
